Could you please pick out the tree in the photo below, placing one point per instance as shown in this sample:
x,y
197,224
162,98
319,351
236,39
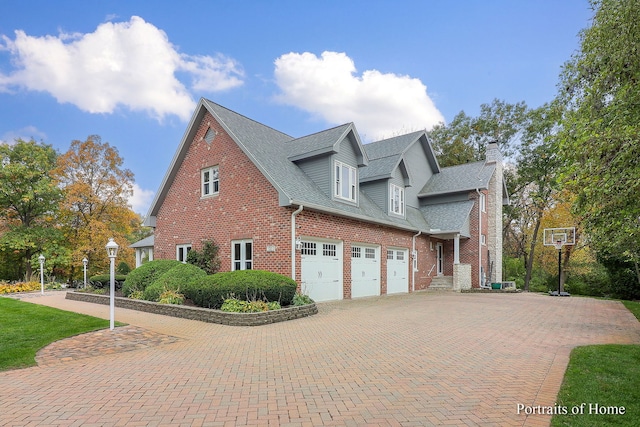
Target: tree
x,y
29,198
95,206
465,138
536,182
600,86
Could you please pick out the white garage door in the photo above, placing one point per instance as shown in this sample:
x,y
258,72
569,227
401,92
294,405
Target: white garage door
x,y
321,264
365,271
397,271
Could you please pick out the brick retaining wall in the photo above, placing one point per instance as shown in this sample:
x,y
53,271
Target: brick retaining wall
x,y
202,314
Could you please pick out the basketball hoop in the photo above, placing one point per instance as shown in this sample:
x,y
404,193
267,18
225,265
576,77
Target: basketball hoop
x,y
558,244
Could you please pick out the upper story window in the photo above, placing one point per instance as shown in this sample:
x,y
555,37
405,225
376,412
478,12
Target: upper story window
x,y
210,181
483,202
346,181
396,199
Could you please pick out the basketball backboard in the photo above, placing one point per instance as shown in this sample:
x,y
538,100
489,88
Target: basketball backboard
x,y
559,237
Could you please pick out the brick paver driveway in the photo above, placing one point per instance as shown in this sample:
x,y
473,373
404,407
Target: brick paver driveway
x,y
410,360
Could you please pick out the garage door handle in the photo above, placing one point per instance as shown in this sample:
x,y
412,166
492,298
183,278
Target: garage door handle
x,y
319,274
336,280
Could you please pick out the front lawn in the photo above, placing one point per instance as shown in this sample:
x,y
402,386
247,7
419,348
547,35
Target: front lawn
x,y
600,386
25,328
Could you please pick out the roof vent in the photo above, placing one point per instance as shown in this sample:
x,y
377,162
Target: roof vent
x,y
210,135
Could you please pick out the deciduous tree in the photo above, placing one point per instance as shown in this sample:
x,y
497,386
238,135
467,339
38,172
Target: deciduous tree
x,y
95,206
29,199
601,138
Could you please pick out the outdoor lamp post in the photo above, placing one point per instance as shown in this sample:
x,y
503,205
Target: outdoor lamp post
x,y
112,252
41,259
85,261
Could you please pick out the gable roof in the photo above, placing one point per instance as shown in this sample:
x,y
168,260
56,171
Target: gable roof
x,y
274,153
327,142
457,179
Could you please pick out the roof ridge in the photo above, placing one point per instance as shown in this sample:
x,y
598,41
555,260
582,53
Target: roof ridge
x,y
321,131
248,118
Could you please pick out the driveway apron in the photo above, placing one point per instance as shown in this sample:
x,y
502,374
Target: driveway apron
x,y
404,360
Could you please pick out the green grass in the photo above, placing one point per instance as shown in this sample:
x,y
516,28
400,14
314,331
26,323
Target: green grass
x,y
25,328
606,375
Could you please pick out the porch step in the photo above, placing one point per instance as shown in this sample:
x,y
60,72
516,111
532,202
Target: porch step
x,y
441,283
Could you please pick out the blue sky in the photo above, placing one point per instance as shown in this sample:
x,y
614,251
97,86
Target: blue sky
x,y
133,71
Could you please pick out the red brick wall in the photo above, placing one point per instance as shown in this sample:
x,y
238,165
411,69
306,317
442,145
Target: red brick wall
x,y
247,208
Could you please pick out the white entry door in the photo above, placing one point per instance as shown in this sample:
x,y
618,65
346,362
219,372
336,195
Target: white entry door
x,y
365,271
397,271
321,270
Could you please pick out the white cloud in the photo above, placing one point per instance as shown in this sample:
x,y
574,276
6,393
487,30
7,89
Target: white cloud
x,y
380,105
132,64
26,134
141,199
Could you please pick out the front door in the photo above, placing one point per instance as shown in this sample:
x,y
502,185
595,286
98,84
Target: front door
x,y
439,259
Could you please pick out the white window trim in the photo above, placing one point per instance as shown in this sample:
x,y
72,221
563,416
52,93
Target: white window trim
x,y
212,183
186,249
352,181
243,255
483,202
401,208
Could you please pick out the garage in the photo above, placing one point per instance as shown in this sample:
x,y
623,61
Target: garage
x,y
397,271
321,270
365,271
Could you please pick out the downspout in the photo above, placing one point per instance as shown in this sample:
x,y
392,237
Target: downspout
x,y
293,240
414,258
479,240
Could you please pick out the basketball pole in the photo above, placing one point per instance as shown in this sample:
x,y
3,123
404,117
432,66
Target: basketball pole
x,y
559,268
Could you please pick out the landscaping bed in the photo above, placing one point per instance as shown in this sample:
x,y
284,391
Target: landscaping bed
x,y
199,313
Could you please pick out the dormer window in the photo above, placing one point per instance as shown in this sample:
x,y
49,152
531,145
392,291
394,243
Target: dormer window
x,y
346,181
396,200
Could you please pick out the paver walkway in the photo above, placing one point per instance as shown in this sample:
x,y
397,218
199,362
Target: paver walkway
x,y
409,360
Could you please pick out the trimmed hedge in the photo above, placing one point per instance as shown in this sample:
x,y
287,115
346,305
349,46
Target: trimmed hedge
x,y
146,274
249,285
104,280
175,279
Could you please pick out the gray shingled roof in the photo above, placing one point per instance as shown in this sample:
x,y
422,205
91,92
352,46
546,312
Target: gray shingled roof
x,y
447,217
274,152
455,179
144,243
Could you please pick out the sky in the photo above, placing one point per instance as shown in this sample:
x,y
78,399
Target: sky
x,y
133,71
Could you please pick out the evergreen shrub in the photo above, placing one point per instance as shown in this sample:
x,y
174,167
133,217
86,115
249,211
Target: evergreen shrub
x,y
248,285
147,273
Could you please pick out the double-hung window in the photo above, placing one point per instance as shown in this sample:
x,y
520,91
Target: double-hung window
x,y
210,181
346,181
396,200
242,255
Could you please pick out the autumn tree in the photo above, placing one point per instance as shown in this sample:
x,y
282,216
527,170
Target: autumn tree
x,y
95,206
600,86
29,199
536,178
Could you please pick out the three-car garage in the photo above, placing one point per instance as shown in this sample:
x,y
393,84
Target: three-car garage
x,y
322,271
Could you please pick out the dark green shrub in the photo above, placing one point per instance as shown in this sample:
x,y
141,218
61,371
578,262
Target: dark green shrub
x,y
175,279
123,268
104,280
146,274
247,285
207,259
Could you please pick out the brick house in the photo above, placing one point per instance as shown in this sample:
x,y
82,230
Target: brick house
x,y
343,218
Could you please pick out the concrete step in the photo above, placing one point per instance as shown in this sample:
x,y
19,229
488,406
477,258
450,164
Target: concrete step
x,y
441,283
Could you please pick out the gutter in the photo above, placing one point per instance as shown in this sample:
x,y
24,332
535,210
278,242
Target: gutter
x,y
414,259
293,240
479,240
